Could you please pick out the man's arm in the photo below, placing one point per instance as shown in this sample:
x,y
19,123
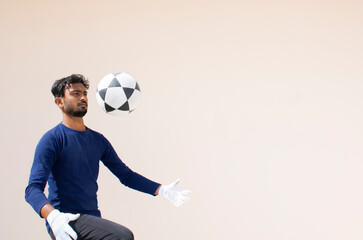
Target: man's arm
x,y
126,176
138,182
157,191
34,193
45,210
44,157
57,220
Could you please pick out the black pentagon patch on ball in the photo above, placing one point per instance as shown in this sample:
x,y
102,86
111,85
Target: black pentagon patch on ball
x,y
103,93
128,92
114,83
109,108
137,87
124,107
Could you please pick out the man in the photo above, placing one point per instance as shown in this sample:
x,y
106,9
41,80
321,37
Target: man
x,y
67,157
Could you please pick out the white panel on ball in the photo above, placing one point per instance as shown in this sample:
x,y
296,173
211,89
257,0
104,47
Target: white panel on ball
x,y
126,80
134,99
105,81
115,97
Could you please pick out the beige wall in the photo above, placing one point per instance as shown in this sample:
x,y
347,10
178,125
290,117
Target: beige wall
x,y
255,105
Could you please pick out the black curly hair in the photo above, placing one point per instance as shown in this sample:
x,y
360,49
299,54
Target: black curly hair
x,y
60,85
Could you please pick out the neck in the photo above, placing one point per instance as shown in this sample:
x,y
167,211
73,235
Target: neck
x,y
75,123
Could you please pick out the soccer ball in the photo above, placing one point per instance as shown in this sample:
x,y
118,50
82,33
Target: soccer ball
x,y
118,93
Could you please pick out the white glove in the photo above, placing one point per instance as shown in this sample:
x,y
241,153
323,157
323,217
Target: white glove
x,y
59,224
175,195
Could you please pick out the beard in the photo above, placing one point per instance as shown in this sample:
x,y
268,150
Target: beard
x,y
71,111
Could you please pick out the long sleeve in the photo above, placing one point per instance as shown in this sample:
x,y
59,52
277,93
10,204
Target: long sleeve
x,y
44,158
126,176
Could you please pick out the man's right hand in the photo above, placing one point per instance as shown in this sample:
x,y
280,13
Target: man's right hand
x,y
58,222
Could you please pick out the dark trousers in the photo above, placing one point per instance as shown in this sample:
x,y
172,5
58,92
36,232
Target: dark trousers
x,y
90,227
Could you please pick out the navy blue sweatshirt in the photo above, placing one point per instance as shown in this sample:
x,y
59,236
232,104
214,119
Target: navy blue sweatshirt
x,y
69,160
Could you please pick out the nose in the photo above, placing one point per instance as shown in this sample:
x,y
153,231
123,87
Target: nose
x,y
84,98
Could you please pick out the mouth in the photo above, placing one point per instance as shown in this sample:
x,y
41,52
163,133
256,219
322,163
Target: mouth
x,y
82,104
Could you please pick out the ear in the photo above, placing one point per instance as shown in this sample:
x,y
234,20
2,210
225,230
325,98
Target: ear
x,y
59,102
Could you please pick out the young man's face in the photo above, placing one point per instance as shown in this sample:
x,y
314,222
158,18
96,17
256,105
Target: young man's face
x,y
75,100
